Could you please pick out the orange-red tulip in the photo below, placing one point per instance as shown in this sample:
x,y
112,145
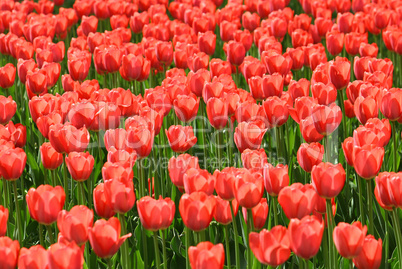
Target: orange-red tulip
x,y
370,255
207,255
64,256
156,214
349,238
80,165
34,257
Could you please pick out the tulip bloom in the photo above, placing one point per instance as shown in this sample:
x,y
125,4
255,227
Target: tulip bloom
x,y
224,183
388,187
66,138
207,255
7,76
367,160
370,255
80,165
254,160
196,210
271,247
309,155
305,236
349,238
9,250
121,194
260,214
391,104
186,107
8,107
248,189
365,108
105,237
141,140
328,179
297,200
178,166
248,136
12,163
217,111
181,138
3,220
103,205
198,180
235,52
275,178
276,111
156,214
64,256
51,159
222,213
326,118
34,257
74,224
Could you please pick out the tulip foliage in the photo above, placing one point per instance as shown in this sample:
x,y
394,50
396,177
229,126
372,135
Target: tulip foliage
x,y
200,134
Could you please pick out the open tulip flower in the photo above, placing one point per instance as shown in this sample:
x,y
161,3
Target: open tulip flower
x,y
178,121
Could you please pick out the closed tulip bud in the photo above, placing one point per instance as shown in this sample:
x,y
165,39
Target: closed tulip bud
x,y
388,185
219,67
7,76
367,160
3,220
365,108
186,107
207,42
325,94
105,237
248,136
276,111
181,138
248,189
45,203
370,254
141,140
35,257
217,111
272,85
368,50
78,69
271,247
197,210
309,155
347,147
74,224
9,250
339,73
353,41
328,179
71,253
254,160
224,183
178,166
120,194
391,104
102,203
260,214
23,67
305,236
8,107
349,238
299,88
131,67
275,178
156,214
297,200
89,24
235,53
196,81
222,213
80,165
164,52
198,180
207,255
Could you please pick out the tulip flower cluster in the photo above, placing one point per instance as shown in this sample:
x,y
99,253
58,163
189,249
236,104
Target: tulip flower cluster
x,y
222,133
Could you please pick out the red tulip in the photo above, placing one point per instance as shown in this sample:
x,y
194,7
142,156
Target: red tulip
x,y
328,179
254,160
8,107
66,138
196,81
178,166
235,53
349,238
388,187
89,24
7,76
120,193
186,107
248,136
9,250
272,85
365,108
222,213
131,66
277,63
248,188
325,94
78,69
196,179
276,111
3,220
305,236
367,160
224,183
64,256
164,52
105,237
370,255
156,214
309,155
326,118
181,138
12,163
391,104
353,41
74,224
207,42
102,203
36,83
80,165
23,68
207,255
34,257
45,203
339,73
219,67
297,200
138,20
299,88
368,50
197,210
271,247
382,128
275,178
217,111
141,140
260,214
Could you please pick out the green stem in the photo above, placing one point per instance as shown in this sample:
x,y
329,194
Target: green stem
x,y
397,232
278,144
53,174
361,206
157,258
350,264
5,191
82,191
50,234
230,138
275,209
109,263
163,234
370,206
395,146
124,252
227,246
386,238
249,230
187,243
141,179
331,225
219,149
65,183
237,254
41,235
342,105
18,213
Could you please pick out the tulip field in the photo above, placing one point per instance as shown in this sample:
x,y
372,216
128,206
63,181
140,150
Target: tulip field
x,y
200,134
